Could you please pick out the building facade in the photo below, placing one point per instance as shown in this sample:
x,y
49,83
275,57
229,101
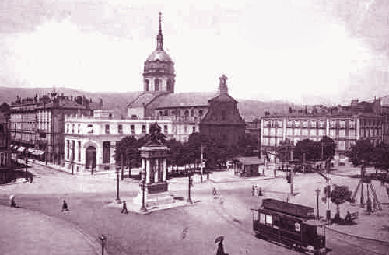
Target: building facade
x,y
90,141
345,128
37,125
223,120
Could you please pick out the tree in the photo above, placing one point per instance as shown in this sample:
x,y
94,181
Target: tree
x,y
361,152
339,195
283,150
329,147
128,148
308,147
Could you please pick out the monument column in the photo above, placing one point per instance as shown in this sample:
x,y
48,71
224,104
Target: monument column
x,y
156,163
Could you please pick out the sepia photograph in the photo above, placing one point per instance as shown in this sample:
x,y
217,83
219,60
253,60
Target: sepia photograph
x,y
194,127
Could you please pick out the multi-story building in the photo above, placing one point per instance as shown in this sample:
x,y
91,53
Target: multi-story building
x,y
90,141
37,125
345,128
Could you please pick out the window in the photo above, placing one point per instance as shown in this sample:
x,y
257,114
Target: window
x,y
72,128
322,123
107,128
313,132
73,150
272,131
147,86
342,124
106,151
262,218
342,133
297,123
297,131
165,129
341,145
265,131
67,128
193,129
156,85
79,127
79,150
192,112
223,114
200,113
313,123
185,129
132,129
305,132
289,131
68,147
120,128
90,129
269,220
332,133
351,133
305,123
351,124
143,129
321,132
332,123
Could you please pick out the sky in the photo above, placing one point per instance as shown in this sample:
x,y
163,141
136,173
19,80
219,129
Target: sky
x,y
301,51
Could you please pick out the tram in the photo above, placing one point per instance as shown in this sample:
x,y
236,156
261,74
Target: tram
x,y
291,225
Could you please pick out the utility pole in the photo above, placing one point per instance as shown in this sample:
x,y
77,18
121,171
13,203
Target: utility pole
x,y
317,203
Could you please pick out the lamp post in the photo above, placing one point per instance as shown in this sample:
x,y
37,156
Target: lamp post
x,y
117,185
201,161
189,187
143,183
317,203
103,240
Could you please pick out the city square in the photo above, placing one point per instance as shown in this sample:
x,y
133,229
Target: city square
x,y
189,228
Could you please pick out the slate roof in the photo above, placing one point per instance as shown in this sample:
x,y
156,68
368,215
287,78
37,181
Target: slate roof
x,y
145,99
182,100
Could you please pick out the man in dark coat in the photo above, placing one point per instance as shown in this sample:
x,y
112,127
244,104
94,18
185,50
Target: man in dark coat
x,y
64,206
124,210
220,249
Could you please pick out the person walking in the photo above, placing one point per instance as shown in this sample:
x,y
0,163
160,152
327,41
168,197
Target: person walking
x,y
13,203
220,249
124,210
64,206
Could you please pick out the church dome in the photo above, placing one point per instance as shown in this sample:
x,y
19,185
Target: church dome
x,y
159,56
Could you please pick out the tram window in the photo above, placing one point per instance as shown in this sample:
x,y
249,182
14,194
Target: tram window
x,y
262,218
255,215
269,220
297,226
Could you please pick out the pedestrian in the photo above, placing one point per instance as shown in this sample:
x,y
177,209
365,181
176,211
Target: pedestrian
x,y
348,217
253,190
220,249
13,203
31,178
64,206
124,210
259,191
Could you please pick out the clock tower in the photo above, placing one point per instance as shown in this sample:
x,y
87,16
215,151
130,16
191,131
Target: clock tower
x,y
158,72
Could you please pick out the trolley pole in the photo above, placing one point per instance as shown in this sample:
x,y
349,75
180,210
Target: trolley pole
x,y
291,180
201,162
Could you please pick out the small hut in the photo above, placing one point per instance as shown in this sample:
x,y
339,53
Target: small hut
x,y
247,166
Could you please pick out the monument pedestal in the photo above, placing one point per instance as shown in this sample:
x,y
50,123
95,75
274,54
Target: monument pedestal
x,y
155,194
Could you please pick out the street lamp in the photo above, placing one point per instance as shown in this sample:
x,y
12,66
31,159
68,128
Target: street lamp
x,y
143,183
317,203
190,181
103,240
117,185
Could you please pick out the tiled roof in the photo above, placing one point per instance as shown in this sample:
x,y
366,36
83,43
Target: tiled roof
x,y
145,99
182,100
223,98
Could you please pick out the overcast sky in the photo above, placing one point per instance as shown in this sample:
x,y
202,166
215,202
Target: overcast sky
x,y
303,51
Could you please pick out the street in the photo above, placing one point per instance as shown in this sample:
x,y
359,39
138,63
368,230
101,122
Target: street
x,y
190,229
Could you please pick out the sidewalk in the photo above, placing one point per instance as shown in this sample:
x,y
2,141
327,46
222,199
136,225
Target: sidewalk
x,y
27,232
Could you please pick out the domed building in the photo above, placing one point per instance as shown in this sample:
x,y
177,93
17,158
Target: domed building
x,y
159,102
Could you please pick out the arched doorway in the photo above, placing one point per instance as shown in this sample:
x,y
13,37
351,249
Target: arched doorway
x,y
90,158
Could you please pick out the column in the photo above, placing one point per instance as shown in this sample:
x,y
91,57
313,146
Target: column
x,y
156,165
164,170
147,171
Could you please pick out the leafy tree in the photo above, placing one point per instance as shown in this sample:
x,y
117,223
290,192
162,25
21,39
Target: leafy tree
x,y
128,147
339,195
308,147
362,151
329,147
246,145
283,150
175,152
